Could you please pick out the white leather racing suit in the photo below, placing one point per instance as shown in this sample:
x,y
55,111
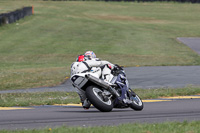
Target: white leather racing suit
x,y
101,68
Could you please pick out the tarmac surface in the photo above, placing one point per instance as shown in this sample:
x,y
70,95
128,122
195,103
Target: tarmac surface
x,y
142,77
146,77
49,116
192,42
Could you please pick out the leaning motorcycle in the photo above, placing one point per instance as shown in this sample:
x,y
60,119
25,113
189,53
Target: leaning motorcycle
x,y
108,95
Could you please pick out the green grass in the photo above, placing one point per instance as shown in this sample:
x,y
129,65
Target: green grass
x,y
38,50
166,127
157,93
41,98
51,98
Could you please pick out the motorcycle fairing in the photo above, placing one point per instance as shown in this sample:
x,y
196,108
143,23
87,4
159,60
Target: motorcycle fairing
x,y
79,80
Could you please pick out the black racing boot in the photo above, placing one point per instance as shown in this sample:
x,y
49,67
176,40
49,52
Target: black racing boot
x,y
86,104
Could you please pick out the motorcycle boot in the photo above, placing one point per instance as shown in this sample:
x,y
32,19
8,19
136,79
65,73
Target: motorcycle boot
x,y
126,100
86,104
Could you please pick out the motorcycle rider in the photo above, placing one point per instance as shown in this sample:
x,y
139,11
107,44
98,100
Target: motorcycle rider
x,y
89,63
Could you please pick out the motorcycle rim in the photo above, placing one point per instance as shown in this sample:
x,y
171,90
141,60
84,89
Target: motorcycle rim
x,y
99,94
136,100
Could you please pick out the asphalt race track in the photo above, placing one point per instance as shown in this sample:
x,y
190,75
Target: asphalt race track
x,y
52,116
142,77
158,110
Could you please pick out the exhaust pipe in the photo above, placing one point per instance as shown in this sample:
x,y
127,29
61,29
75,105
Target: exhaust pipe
x,y
98,81
102,83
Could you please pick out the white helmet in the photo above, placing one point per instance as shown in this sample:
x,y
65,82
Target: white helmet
x,y
90,54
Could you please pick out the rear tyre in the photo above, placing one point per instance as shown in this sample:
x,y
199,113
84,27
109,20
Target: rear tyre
x,y
98,99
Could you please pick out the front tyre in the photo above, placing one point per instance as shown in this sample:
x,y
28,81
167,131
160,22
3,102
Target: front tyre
x,y
137,103
98,98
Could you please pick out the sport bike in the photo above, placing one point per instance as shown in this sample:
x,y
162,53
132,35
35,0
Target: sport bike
x,y
107,95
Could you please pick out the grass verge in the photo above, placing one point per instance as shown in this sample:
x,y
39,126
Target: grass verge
x,y
50,98
158,93
31,99
166,127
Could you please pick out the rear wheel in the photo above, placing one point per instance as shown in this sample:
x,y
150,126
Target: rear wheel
x,y
99,99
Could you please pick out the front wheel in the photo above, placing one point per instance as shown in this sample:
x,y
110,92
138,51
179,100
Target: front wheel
x,y
137,103
98,98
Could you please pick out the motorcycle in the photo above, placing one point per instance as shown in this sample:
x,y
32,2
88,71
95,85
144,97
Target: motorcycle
x,y
108,95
